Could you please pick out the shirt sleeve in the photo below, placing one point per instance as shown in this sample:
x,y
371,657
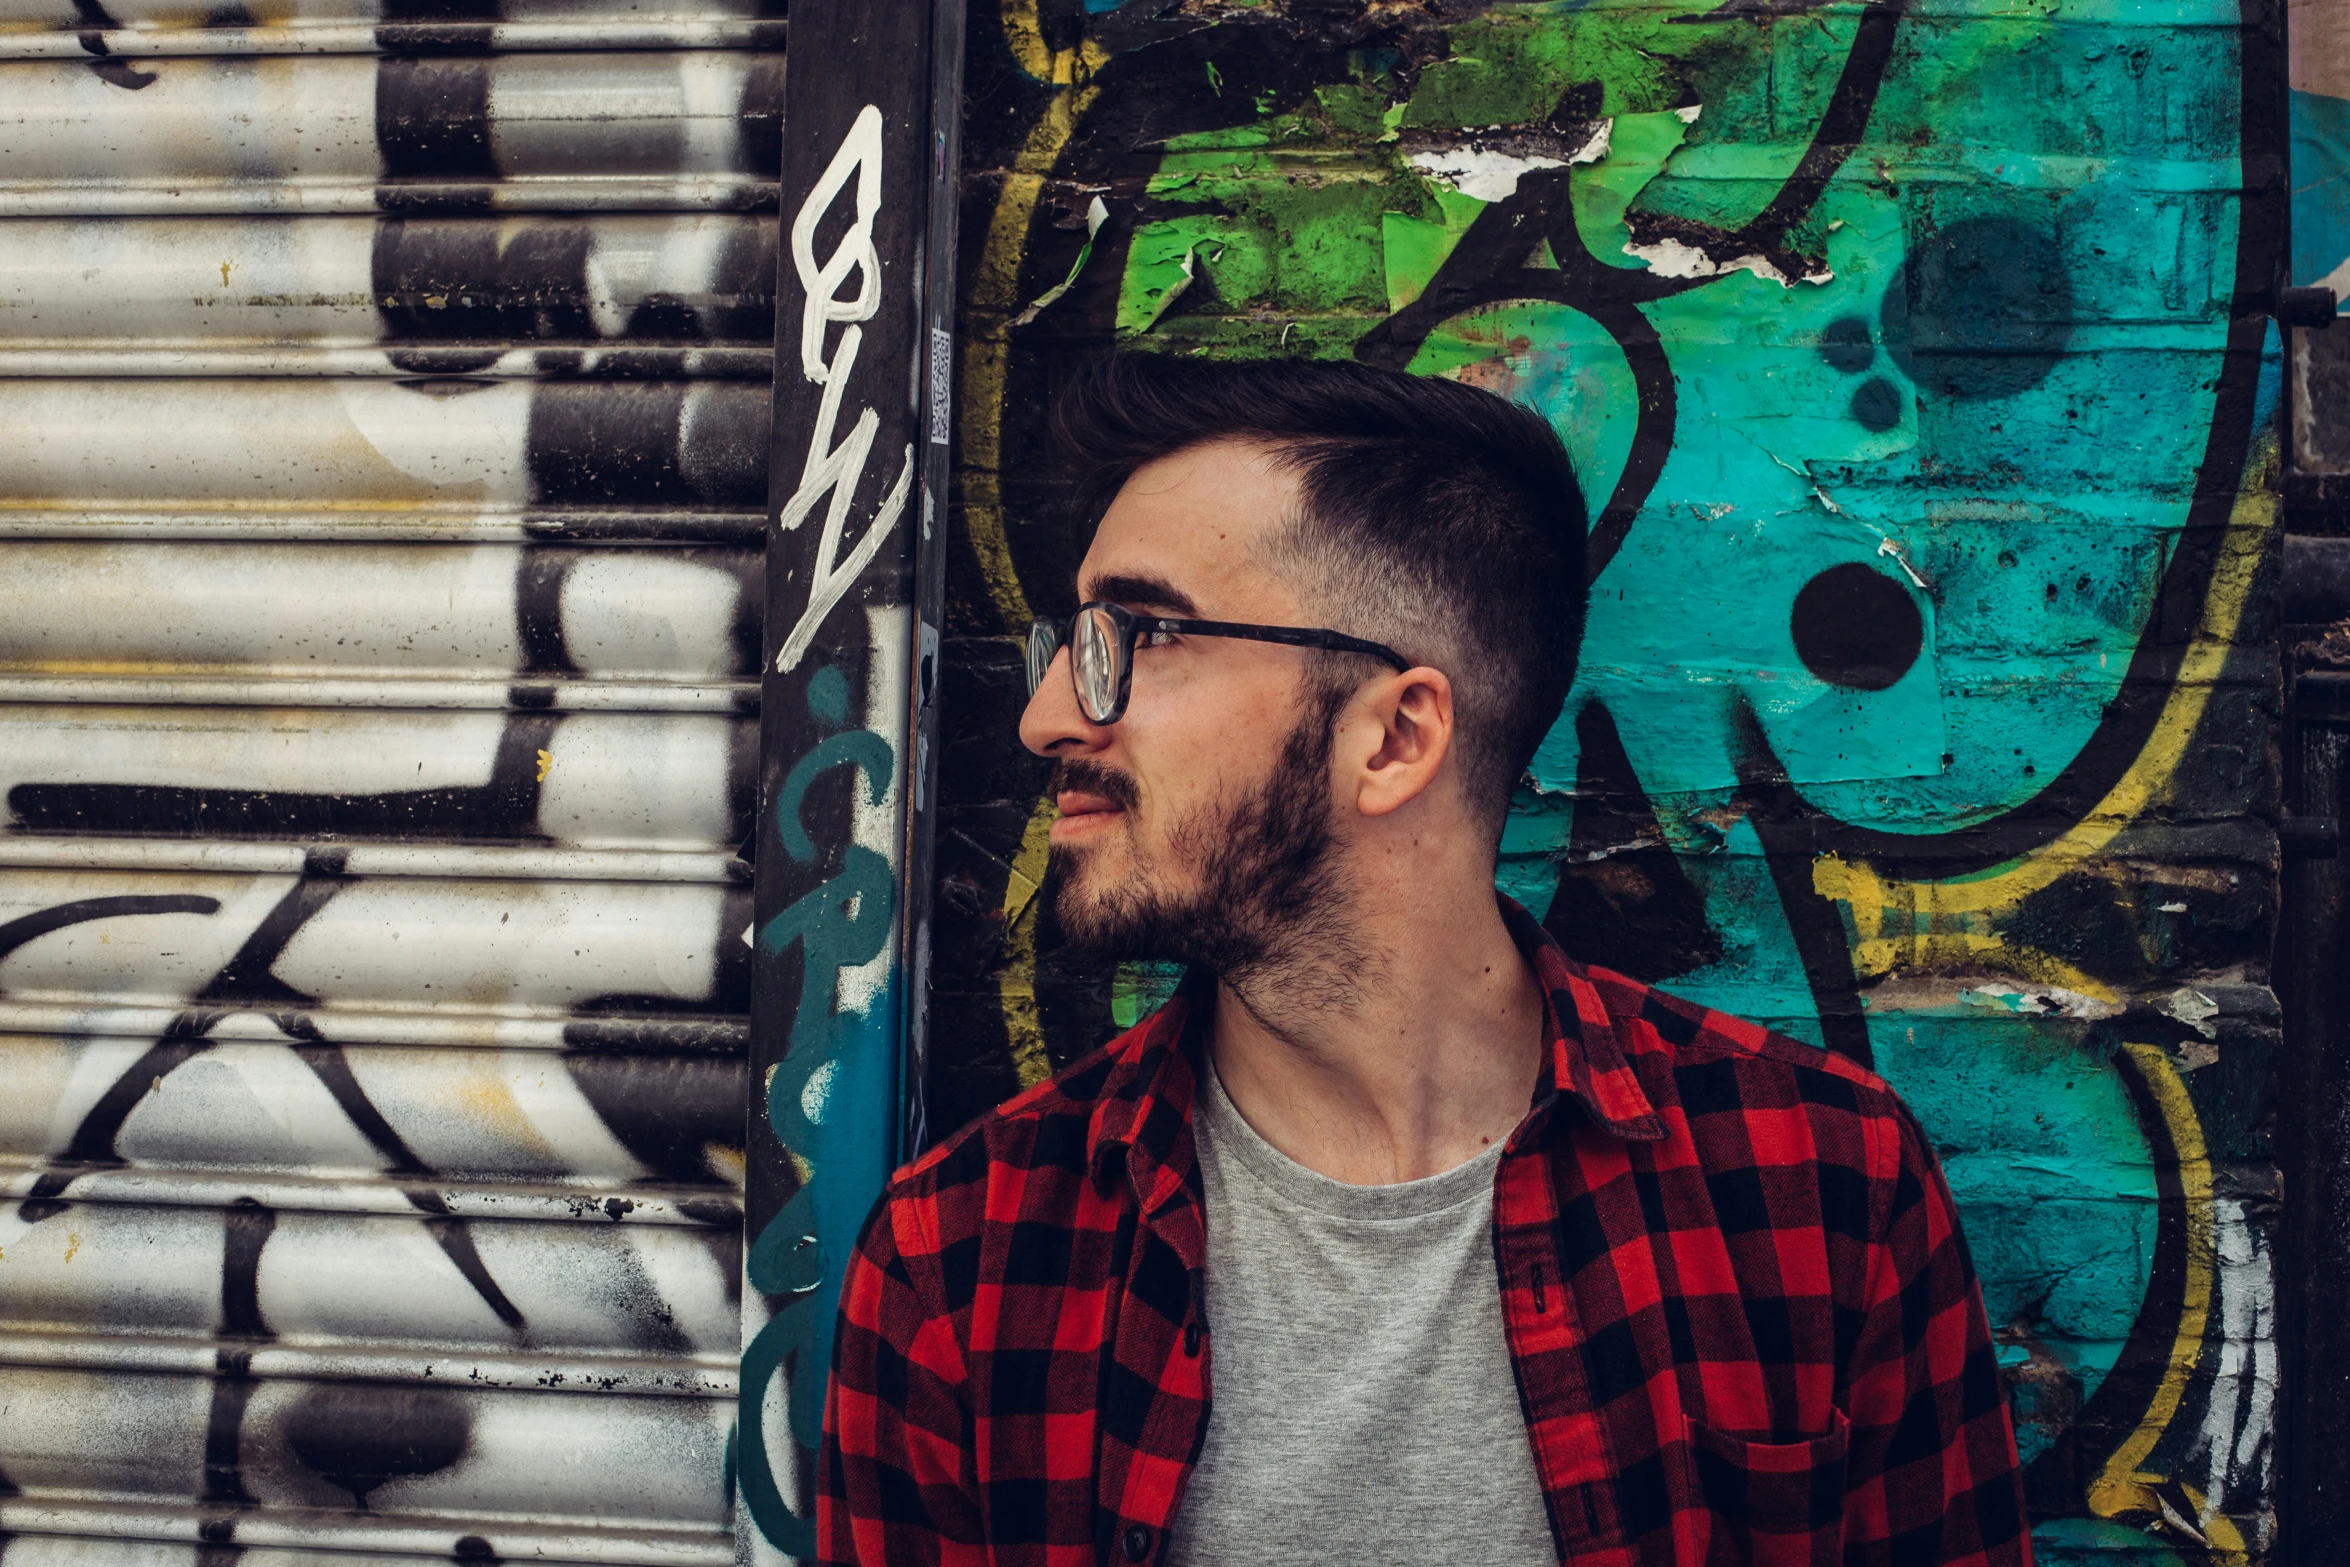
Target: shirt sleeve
x,y
1931,1470
893,1476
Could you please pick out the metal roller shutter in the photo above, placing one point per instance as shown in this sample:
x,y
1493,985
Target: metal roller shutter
x,y
384,415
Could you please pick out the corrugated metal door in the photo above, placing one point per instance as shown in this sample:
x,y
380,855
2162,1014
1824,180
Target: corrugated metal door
x,y
383,442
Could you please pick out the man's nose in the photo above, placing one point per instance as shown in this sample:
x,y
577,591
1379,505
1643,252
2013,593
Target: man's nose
x,y
1053,724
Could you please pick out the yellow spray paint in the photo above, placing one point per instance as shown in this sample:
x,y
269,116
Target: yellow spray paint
x,y
994,297
2122,1486
1944,924
1016,989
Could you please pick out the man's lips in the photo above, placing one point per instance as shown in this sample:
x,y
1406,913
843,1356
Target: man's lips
x,y
1081,811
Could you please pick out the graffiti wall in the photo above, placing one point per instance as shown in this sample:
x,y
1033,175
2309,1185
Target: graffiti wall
x,y
1916,363
386,420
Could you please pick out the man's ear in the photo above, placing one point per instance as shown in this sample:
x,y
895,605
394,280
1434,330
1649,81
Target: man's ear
x,y
1397,735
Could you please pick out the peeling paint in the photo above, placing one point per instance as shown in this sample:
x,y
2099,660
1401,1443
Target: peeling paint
x,y
1673,258
1488,168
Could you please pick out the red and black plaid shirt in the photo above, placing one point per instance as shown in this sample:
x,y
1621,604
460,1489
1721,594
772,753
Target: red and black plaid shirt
x,y
1744,1324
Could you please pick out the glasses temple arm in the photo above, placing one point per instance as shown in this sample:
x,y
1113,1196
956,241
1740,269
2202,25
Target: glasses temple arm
x,y
1287,636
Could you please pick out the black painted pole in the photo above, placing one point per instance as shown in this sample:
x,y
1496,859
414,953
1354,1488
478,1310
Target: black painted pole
x,y
857,469
930,576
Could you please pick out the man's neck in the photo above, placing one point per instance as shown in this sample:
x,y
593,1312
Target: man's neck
x,y
1431,1057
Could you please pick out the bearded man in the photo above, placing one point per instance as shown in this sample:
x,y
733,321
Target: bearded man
x,y
1397,1235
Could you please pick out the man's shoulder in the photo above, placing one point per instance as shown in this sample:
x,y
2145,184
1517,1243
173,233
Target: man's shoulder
x,y
1720,1061
1044,1130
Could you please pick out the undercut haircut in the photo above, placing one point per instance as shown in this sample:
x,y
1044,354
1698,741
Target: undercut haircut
x,y
1438,519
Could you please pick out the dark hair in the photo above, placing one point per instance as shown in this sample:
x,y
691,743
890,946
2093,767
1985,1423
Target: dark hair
x,y
1439,519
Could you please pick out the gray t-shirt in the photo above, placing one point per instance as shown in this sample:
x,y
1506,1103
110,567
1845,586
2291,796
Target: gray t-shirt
x,y
1363,1408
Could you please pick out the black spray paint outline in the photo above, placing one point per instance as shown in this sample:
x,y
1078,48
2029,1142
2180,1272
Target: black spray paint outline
x,y
504,808
244,984
1487,267
2108,754
1484,269
1796,832
120,73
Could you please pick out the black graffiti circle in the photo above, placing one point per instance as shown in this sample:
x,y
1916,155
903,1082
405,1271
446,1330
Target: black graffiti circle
x,y
358,1436
1857,628
1846,344
1982,307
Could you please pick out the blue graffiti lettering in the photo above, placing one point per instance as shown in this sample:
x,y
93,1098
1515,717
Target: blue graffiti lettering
x,y
833,1085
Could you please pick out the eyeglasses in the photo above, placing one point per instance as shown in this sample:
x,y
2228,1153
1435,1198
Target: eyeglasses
x,y
1101,640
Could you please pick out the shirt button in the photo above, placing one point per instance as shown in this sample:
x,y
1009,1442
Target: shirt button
x,y
1137,1542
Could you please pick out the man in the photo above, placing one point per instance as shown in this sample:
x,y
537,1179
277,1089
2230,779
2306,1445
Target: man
x,y
1396,1236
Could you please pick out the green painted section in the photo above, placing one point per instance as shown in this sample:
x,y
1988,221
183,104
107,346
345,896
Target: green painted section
x,y
1139,989
2087,1542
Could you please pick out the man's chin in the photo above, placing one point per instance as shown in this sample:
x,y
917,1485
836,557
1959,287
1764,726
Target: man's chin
x,y
1090,921
1074,879
1095,903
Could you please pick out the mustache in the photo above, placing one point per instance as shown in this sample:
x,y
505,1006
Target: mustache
x,y
1080,775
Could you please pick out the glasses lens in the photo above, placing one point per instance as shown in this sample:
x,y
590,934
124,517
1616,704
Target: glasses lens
x,y
1044,640
1094,662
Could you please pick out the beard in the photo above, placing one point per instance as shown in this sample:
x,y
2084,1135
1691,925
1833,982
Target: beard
x,y
1264,896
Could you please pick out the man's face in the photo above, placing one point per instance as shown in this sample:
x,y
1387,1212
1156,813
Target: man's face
x,y
1198,826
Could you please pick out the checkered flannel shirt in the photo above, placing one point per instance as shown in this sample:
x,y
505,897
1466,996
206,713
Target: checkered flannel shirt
x,y
1744,1325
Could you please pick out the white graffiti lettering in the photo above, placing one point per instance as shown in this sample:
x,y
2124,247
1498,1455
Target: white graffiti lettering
x,y
831,470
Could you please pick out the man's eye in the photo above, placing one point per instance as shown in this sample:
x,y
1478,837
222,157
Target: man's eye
x,y
1158,638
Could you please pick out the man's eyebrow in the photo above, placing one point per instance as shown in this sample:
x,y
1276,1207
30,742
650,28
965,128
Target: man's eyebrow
x,y
1139,592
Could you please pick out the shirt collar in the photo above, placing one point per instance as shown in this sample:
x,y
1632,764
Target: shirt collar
x,y
1144,1110
1586,1056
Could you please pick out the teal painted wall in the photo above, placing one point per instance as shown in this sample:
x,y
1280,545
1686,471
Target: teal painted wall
x,y
1913,364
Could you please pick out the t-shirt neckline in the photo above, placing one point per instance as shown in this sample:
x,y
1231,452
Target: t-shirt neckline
x,y
1217,1118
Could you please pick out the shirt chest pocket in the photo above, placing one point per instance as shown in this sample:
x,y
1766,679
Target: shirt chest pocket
x,y
1770,1504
